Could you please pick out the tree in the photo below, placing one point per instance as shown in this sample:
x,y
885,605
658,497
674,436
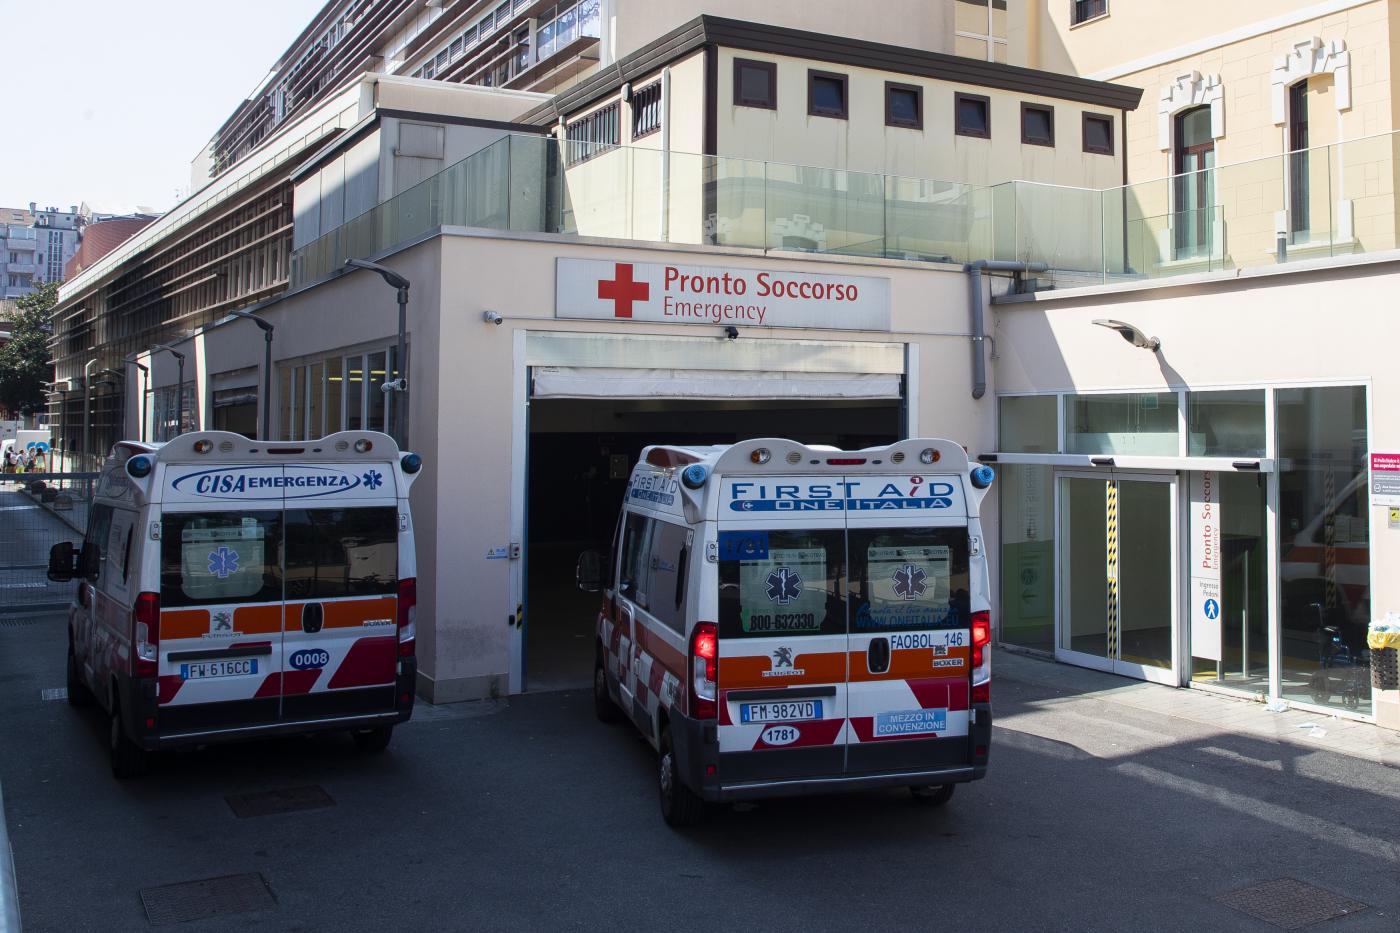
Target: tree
x,y
25,361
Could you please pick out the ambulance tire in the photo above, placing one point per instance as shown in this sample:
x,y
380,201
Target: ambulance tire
x,y
680,806
935,795
129,760
603,706
373,741
78,693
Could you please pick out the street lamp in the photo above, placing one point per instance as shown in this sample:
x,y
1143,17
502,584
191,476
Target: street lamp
x,y
267,330
145,380
179,387
400,385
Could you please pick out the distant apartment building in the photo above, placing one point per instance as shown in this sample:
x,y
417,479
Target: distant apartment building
x,y
34,245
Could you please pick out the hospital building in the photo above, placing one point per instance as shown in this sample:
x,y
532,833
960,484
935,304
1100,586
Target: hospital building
x,y
1142,265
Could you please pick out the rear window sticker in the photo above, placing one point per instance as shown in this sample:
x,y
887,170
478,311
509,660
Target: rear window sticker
x,y
783,592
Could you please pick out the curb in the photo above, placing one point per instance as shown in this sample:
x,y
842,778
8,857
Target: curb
x,y
9,888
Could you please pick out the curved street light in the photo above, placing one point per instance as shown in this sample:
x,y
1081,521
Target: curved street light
x,y
179,387
400,385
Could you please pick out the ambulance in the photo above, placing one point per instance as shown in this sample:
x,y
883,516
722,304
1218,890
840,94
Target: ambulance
x,y
231,588
779,619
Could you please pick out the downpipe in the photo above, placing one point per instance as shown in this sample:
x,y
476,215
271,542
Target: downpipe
x,y
974,272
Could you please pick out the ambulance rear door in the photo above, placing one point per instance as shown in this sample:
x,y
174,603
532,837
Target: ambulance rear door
x,y
341,576
220,554
782,628
910,639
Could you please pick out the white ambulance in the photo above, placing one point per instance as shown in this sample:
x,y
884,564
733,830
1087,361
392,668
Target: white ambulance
x,y
231,588
780,619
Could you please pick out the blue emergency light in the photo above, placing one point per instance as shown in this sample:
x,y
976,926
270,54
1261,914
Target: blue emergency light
x,y
139,466
694,476
982,476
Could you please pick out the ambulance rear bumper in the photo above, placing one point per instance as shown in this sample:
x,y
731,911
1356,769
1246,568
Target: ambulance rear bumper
x,y
831,785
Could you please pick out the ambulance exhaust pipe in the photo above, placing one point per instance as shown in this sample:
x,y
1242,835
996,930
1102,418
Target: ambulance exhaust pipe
x,y
979,331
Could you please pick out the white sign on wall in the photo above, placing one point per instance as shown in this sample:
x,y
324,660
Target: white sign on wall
x,y
659,293
1207,604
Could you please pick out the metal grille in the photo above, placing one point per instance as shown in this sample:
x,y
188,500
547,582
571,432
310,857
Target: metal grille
x,y
1289,904
195,900
38,510
282,800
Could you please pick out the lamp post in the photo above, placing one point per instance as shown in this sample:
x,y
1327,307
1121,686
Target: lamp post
x,y
267,330
87,407
400,385
179,387
145,379
118,381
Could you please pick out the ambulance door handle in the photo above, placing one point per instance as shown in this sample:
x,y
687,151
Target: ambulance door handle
x,y
877,656
312,618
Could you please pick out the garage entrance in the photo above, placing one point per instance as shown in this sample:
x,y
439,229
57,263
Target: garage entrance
x,y
581,452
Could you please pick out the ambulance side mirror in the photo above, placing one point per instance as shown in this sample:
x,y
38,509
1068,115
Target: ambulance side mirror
x,y
589,573
63,562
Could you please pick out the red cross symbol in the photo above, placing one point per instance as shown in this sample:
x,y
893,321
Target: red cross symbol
x,y
622,290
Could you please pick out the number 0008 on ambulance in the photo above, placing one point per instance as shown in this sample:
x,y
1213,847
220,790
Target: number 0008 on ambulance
x,y
231,588
780,619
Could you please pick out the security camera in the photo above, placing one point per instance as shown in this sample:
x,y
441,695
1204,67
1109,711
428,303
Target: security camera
x,y
492,317
731,332
1131,334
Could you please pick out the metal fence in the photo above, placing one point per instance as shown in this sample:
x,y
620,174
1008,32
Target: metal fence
x,y
38,510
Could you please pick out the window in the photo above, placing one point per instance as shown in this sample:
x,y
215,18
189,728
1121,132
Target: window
x,y
904,105
1037,125
632,571
344,392
1140,424
781,583
1084,10
755,84
972,113
220,557
909,578
1098,133
646,110
826,94
670,549
593,134
332,553
980,29
95,544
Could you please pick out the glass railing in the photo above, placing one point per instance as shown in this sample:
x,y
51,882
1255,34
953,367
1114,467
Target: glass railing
x,y
1328,201
531,183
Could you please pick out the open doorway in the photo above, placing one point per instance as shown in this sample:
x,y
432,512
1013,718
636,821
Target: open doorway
x,y
581,453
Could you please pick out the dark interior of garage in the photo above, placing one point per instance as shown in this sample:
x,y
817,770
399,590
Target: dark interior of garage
x,y
581,454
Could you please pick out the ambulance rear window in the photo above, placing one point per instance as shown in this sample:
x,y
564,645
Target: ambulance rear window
x,y
342,552
780,584
909,578
220,557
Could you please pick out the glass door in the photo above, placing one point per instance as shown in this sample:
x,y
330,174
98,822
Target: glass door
x,y
1118,573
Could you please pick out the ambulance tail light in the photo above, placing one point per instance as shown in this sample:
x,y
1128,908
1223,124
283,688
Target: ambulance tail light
x,y
408,616
981,663
145,635
704,663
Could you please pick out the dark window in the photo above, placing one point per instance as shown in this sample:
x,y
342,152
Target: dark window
x,y
1037,125
1087,9
342,552
646,110
220,557
1098,133
595,133
973,115
904,105
755,84
826,94
632,571
781,583
908,578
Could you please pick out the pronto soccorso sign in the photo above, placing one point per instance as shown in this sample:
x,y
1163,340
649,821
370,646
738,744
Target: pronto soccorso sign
x,y
661,293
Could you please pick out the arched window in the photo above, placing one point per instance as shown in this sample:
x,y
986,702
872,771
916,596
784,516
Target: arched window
x,y
1194,184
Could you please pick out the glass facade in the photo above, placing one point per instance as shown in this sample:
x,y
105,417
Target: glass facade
x,y
343,392
1140,423
1225,424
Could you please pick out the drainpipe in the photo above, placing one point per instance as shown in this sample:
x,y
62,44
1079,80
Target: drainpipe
x,y
979,331
665,154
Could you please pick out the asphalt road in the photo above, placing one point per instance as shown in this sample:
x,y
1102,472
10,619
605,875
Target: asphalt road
x,y
529,814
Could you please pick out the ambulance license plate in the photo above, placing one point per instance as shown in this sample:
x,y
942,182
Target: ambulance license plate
x,y
780,711
230,668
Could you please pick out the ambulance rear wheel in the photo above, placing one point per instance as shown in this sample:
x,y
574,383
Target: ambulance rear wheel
x,y
78,693
934,795
680,806
129,760
373,741
603,706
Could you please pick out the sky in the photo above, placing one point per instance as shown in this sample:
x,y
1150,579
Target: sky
x,y
108,101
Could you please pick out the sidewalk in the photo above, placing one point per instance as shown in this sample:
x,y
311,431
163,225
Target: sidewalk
x,y
1225,714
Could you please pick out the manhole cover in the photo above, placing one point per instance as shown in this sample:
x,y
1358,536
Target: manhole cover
x,y
283,800
54,693
1289,904
195,900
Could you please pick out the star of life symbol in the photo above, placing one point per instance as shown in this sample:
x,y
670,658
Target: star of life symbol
x,y
784,586
373,479
782,658
909,582
223,562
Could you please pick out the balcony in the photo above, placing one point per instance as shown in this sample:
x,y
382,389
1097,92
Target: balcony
x,y
20,238
24,267
1330,201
